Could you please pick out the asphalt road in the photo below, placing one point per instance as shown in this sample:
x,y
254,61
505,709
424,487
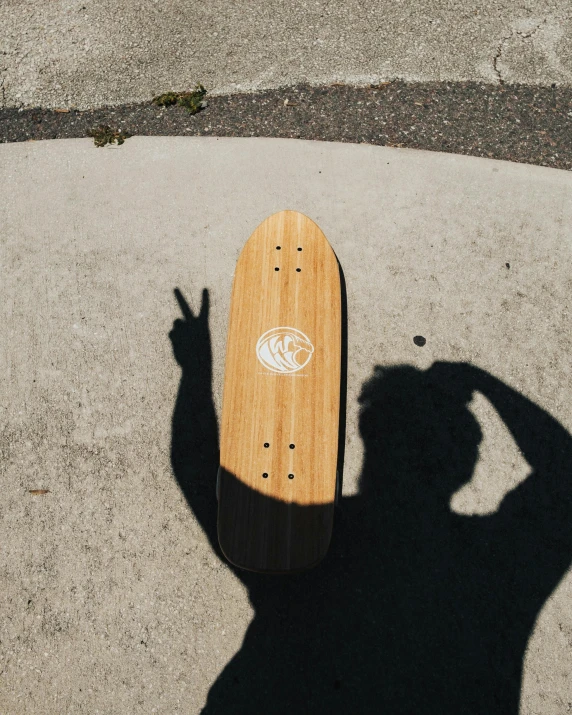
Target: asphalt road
x,y
85,54
515,123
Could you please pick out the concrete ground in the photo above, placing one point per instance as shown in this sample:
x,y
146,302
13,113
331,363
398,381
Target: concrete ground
x,y
86,54
113,600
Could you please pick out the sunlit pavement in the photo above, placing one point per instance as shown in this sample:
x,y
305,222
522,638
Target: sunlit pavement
x,y
113,599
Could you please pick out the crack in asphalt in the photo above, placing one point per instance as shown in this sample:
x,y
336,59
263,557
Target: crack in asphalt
x,y
497,57
3,74
514,33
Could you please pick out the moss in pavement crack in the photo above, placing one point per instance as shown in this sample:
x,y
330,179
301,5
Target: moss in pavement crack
x,y
103,135
193,101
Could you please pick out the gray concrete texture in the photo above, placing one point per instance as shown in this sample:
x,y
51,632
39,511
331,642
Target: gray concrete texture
x,y
112,599
86,54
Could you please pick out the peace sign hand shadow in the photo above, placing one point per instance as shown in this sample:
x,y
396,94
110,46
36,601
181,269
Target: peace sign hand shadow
x,y
190,338
194,441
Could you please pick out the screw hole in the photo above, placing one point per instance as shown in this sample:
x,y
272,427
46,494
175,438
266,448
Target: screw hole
x,y
290,476
267,444
292,446
298,270
299,248
265,475
278,248
277,269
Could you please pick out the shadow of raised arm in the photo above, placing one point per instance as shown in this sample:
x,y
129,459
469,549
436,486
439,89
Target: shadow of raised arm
x,y
536,517
194,442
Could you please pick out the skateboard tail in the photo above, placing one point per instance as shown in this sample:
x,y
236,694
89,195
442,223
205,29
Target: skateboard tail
x,y
260,533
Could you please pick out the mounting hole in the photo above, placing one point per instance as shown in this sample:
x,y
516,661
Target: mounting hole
x,y
298,270
265,475
267,444
278,248
277,269
290,476
299,248
291,446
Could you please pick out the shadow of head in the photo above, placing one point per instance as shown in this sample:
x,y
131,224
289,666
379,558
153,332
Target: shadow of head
x,y
419,435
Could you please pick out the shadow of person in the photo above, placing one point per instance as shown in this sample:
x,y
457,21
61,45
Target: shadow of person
x,y
415,609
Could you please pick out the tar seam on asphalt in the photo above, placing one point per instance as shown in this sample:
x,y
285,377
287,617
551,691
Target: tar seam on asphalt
x,y
518,123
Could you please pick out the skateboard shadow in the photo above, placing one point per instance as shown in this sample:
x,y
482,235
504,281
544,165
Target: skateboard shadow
x,y
415,609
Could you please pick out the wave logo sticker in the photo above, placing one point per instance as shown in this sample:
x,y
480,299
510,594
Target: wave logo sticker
x,y
284,350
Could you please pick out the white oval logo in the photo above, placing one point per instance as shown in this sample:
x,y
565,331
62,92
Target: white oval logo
x,y
284,349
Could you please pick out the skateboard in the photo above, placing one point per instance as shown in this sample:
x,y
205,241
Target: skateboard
x,y
277,480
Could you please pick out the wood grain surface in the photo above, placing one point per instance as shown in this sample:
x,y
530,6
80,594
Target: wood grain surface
x,y
279,436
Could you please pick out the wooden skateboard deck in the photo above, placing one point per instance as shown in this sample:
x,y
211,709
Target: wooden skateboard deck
x,y
279,438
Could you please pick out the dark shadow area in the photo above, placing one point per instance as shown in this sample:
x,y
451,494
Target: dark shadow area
x,y
270,535
415,609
